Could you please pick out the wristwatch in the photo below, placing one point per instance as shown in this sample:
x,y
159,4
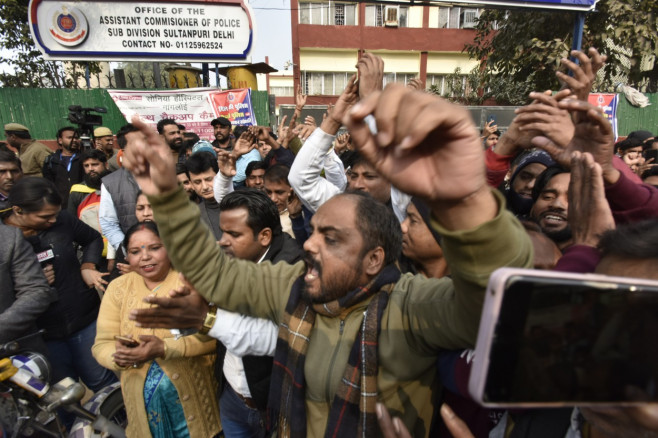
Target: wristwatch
x,y
209,320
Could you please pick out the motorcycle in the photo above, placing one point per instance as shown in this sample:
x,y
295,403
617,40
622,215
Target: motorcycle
x,y
29,404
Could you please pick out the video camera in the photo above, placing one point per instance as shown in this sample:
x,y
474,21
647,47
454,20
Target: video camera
x,y
86,122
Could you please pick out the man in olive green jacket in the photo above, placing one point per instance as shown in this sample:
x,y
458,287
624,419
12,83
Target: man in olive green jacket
x,y
31,152
425,147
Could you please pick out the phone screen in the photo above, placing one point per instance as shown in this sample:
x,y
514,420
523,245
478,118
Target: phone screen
x,y
574,341
129,342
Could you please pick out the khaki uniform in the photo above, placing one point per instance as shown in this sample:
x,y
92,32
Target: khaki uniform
x,y
113,163
32,156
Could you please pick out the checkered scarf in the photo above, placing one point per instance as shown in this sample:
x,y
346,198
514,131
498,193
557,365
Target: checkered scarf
x,y
353,408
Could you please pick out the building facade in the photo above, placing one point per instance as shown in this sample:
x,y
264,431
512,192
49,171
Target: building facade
x,y
328,38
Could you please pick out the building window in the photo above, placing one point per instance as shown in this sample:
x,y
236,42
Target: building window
x,y
448,85
383,15
282,91
468,18
444,17
458,18
339,14
333,84
321,83
327,13
401,78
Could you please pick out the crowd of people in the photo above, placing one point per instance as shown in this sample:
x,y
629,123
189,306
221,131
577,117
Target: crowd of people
x,y
324,279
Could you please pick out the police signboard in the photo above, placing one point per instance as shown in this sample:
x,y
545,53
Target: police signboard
x,y
572,5
184,30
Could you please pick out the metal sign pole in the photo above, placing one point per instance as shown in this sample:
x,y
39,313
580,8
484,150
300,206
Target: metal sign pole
x,y
578,27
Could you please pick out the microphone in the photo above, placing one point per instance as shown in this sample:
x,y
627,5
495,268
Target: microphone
x,y
44,252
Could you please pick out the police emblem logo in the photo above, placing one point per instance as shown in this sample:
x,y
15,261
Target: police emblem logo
x,y
69,26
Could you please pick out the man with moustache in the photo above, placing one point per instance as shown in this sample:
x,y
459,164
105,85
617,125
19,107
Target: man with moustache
x,y
10,172
64,167
31,152
223,142
222,130
169,131
518,192
551,205
104,141
251,231
201,169
94,165
255,173
352,329
85,198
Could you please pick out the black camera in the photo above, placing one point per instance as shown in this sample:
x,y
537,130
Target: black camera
x,y
86,122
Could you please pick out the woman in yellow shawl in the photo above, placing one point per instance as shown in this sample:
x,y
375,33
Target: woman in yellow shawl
x,y
167,381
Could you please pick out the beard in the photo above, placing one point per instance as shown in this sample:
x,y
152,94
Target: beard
x,y
560,236
176,145
221,138
94,180
72,147
332,288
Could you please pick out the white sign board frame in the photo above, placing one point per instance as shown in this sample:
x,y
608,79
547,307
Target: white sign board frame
x,y
565,5
177,31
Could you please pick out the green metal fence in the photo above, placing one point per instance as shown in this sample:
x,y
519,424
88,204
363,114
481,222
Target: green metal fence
x,y
631,118
260,102
45,110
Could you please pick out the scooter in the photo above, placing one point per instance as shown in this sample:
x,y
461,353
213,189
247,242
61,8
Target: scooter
x,y
29,404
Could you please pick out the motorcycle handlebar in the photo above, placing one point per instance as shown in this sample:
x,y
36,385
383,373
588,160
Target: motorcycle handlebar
x,y
12,347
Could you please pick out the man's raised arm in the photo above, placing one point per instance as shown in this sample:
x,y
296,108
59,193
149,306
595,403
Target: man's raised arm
x,y
305,174
428,147
235,285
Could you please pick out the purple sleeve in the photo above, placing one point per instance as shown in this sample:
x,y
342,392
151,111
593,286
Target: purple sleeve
x,y
621,166
631,202
580,259
455,370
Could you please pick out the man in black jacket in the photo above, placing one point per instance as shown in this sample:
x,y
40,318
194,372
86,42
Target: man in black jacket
x,y
64,167
251,231
201,169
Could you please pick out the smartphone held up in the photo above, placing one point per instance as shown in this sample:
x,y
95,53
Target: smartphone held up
x,y
560,339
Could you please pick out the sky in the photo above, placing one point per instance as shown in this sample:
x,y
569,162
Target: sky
x,y
271,20
273,37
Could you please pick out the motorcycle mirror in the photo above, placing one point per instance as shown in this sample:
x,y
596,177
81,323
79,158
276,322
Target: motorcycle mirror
x,y
63,395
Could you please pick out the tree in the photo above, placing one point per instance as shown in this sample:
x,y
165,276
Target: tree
x,y
525,47
460,88
25,65
139,74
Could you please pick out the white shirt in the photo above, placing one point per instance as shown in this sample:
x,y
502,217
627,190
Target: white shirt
x,y
222,186
108,219
304,176
313,190
242,336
